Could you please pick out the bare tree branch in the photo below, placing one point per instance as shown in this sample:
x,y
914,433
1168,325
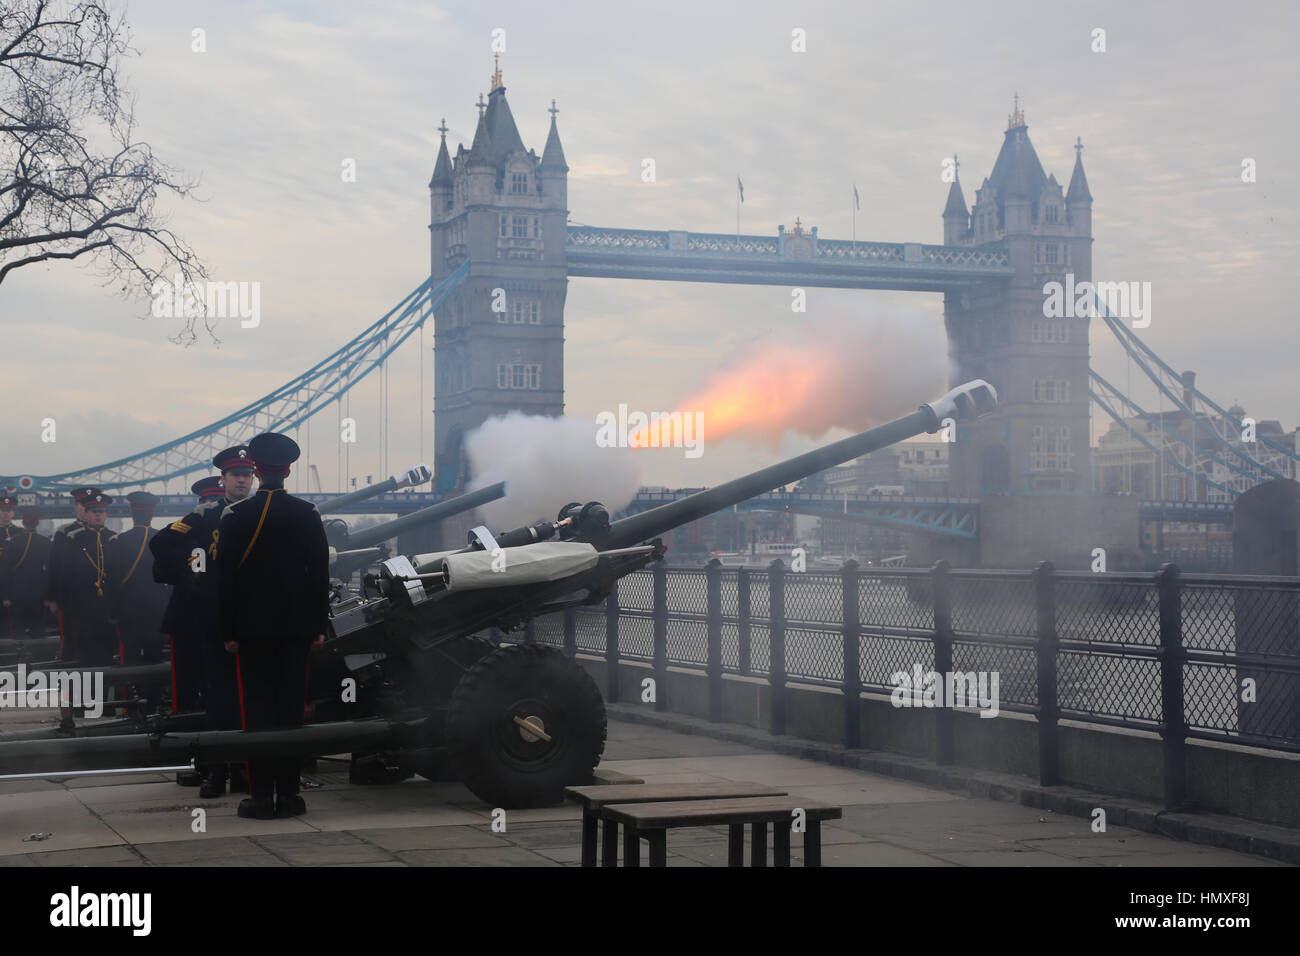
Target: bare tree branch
x,y
60,197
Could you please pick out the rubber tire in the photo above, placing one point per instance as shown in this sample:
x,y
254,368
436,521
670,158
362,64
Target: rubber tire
x,y
481,731
467,651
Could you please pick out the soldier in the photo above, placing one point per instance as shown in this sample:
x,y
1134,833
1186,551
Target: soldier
x,y
57,559
184,556
8,536
273,562
24,583
138,601
80,587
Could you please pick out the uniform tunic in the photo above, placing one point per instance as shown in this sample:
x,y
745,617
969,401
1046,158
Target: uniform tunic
x,y
138,601
79,583
273,561
23,583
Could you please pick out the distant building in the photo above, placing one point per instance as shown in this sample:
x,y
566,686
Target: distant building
x,y
1125,461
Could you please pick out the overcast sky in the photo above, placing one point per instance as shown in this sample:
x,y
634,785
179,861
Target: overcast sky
x,y
287,90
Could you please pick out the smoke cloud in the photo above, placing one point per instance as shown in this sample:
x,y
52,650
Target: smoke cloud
x,y
546,463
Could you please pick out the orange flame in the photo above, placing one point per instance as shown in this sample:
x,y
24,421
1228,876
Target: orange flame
x,y
774,389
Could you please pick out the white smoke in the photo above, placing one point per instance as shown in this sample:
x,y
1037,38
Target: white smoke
x,y
546,463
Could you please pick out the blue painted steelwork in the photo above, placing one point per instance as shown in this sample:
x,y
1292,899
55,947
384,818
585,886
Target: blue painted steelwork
x,y
1111,390
1140,353
786,259
285,408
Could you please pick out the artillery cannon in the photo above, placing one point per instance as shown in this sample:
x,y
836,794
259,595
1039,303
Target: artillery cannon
x,y
518,722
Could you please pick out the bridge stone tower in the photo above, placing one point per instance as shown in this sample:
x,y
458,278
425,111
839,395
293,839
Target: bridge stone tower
x,y
1038,440
498,337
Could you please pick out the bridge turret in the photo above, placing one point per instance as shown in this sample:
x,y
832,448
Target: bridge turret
x,y
956,217
440,186
554,169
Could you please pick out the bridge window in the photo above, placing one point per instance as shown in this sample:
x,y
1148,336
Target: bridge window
x,y
537,227
519,182
1051,214
519,227
526,311
1049,448
505,225
519,375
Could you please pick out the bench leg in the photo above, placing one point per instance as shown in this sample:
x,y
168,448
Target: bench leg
x,y
658,840
812,844
780,844
609,844
588,838
758,848
736,844
631,846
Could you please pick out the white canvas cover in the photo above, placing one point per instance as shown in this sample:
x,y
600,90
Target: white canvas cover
x,y
528,564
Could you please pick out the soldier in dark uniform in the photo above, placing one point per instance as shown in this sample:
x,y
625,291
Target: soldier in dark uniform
x,y
24,583
138,600
274,573
185,556
8,537
57,559
80,586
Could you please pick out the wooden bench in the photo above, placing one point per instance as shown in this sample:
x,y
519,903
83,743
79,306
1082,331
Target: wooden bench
x,y
653,820
608,778
594,799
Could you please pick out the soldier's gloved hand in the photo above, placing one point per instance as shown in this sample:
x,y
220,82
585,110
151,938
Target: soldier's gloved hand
x,y
318,643
232,647
51,606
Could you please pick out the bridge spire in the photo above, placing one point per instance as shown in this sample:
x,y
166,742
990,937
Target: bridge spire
x,y
481,148
1078,191
497,82
553,153
442,167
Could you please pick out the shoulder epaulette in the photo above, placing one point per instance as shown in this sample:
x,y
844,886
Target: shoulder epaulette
x,y
180,526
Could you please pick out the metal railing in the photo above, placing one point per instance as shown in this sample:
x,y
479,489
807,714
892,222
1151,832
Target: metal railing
x,y
1210,657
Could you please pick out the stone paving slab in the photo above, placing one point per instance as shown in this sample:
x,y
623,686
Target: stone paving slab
x,y
133,820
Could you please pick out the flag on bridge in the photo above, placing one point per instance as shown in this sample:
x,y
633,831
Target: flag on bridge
x,y
856,203
740,186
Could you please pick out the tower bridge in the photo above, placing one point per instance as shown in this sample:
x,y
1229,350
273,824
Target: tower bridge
x,y
502,251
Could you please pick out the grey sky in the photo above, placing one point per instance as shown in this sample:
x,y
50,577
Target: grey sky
x,y
287,90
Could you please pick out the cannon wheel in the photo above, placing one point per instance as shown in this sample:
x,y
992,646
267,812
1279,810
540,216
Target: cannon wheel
x,y
524,723
464,653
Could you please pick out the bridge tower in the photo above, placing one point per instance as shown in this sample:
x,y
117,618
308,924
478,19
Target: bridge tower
x,y
499,337
1038,439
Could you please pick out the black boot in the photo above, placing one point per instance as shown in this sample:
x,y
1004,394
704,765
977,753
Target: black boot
x,y
291,805
214,784
189,778
257,808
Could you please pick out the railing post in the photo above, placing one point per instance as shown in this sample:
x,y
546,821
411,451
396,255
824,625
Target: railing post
x,y
744,647
852,685
570,632
940,587
611,643
1049,714
1173,730
659,623
776,627
713,630
530,633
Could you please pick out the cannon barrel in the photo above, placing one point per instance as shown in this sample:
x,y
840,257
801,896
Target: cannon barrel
x,y
409,478
26,755
368,537
962,403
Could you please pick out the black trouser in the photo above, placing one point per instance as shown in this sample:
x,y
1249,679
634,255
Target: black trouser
x,y
187,670
141,643
92,636
272,696
29,618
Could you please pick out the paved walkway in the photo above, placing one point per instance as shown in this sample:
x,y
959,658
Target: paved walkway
x,y
147,820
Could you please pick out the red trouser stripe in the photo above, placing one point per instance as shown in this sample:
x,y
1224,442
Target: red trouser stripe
x,y
171,642
306,681
243,721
